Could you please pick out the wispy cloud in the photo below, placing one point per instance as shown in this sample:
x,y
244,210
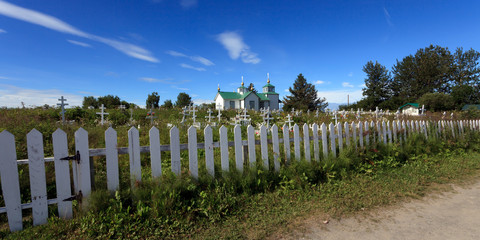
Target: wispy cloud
x,y
184,65
236,48
82,44
2,77
201,101
388,18
286,90
340,96
53,23
162,80
12,96
198,59
188,3
179,88
319,82
347,84
2,31
350,74
362,85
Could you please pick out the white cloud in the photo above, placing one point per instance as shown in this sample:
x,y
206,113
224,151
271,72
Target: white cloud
x,y
2,77
163,80
347,84
388,18
2,31
184,65
82,44
179,88
201,101
362,85
319,82
53,23
286,90
340,96
350,74
188,3
198,59
12,96
236,48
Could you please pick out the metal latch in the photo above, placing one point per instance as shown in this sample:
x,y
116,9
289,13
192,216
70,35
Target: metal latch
x,y
77,197
74,157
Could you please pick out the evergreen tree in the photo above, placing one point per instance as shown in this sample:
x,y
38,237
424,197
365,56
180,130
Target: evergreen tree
x,y
152,99
251,87
303,96
90,101
377,83
183,99
168,103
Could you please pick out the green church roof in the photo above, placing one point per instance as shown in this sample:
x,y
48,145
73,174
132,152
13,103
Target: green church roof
x,y
409,104
269,85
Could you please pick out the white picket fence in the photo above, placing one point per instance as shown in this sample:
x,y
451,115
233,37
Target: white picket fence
x,y
355,134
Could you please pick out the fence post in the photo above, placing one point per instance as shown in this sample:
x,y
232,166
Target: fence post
x,y
347,134
224,149
340,137
360,134
209,162
237,137
296,141
82,173
306,142
251,146
38,185
134,155
316,150
9,174
276,148
264,145
286,142
62,174
324,140
331,129
192,152
155,154
175,151
367,136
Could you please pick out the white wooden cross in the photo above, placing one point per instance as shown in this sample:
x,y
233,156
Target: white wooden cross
x,y
444,114
451,115
150,115
308,112
209,117
193,111
423,110
289,121
267,117
398,114
293,111
219,116
102,113
62,105
184,113
335,116
316,113
376,112
244,120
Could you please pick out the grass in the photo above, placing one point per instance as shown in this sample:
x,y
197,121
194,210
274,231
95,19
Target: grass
x,y
259,203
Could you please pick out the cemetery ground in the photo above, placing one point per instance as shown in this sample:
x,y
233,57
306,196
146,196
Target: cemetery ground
x,y
255,204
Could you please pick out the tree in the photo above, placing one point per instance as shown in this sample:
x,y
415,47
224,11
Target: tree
x,y
464,94
252,88
377,83
109,101
437,102
89,101
303,96
168,103
153,99
466,70
183,100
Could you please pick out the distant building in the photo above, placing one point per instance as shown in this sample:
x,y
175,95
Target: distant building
x,y
246,98
409,109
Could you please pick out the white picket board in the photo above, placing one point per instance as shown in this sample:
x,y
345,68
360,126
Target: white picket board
x,y
384,132
340,137
264,145
380,132
323,127
286,142
306,142
237,137
9,174
175,151
424,127
453,128
331,129
360,134
224,149
347,134
404,131
316,150
252,158
367,134
112,159
83,168
155,153
353,127
394,130
209,161
389,132
62,174
192,152
134,155
38,184
276,148
296,141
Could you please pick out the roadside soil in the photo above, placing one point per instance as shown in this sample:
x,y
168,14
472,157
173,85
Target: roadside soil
x,y
452,214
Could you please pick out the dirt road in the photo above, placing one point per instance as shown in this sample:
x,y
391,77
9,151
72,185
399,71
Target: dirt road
x,y
450,215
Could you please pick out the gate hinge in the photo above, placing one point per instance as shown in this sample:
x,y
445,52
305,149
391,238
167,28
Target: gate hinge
x,y
75,157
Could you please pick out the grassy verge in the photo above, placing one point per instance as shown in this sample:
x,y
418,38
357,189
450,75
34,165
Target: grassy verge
x,y
258,203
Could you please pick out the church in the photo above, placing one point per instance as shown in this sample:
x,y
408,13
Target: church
x,y
245,98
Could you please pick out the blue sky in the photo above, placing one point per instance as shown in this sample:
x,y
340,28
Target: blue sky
x,y
131,48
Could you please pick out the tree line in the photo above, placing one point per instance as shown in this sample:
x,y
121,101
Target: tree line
x,y
433,76
153,100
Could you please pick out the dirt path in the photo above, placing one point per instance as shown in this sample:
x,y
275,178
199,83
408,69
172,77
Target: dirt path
x,y
450,215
